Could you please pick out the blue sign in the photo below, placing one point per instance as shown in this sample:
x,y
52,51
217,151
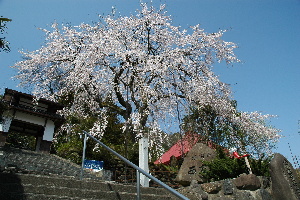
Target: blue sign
x,y
94,165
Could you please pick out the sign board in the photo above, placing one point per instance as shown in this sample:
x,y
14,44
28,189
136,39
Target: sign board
x,y
93,165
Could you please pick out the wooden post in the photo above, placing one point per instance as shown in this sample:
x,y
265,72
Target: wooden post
x,y
248,165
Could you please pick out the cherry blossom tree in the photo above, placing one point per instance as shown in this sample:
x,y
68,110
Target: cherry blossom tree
x,y
149,70
226,132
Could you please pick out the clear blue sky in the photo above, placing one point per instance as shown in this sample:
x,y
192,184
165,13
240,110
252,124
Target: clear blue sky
x,y
266,31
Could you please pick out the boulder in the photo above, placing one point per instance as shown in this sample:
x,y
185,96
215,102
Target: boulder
x,y
192,164
247,182
285,184
263,194
228,187
265,182
193,192
244,195
211,188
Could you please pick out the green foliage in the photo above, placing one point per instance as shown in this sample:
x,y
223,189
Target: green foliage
x,y
171,168
261,167
69,145
71,149
209,124
171,140
224,167
22,141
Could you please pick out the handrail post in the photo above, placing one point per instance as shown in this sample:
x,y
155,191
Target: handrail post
x,y
83,156
138,192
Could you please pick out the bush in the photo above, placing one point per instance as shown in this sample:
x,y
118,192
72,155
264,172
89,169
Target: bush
x,y
71,150
71,147
224,167
261,167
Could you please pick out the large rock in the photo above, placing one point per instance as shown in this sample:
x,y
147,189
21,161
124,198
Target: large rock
x,y
226,190
211,188
247,182
263,194
194,191
244,195
228,187
285,184
191,166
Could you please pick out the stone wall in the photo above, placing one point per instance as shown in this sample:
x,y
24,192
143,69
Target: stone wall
x,y
245,187
30,162
283,184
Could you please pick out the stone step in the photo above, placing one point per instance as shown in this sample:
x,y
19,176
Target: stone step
x,y
32,196
41,192
58,181
18,184
51,177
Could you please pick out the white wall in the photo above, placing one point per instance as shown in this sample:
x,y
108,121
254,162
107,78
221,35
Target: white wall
x,y
7,118
49,130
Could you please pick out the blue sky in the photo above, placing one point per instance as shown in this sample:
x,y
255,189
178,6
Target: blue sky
x,y
266,31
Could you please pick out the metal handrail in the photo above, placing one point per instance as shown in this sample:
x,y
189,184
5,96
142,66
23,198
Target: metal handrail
x,y
139,170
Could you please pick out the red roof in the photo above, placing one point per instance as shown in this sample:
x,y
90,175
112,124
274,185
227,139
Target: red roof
x,y
180,148
184,146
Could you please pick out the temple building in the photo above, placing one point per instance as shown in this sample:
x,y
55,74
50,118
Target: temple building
x,y
25,117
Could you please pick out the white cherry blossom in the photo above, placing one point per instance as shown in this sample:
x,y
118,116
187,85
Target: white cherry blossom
x,y
149,68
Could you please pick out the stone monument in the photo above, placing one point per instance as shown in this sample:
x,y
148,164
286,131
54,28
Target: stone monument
x,y
285,184
192,164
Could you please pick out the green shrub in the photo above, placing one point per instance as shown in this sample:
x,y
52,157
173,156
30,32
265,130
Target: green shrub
x,y
261,167
224,167
71,150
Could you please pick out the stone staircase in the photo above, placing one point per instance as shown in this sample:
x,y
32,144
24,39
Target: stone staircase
x,y
27,175
40,187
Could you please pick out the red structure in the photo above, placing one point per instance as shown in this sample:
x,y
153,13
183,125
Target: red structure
x,y
183,146
236,155
179,149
